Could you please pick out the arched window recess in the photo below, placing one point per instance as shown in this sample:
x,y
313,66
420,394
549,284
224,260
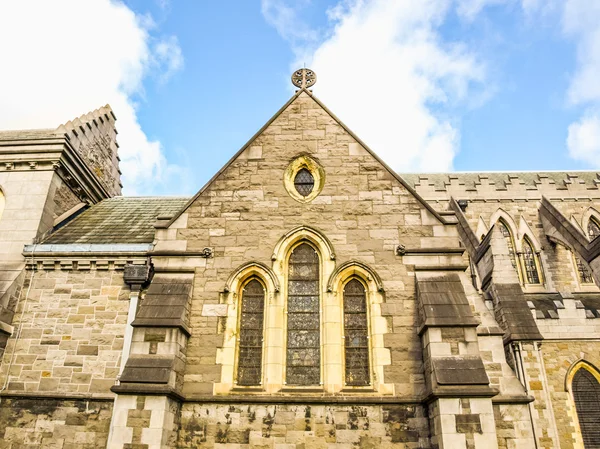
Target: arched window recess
x,y
303,353
531,263
510,242
593,228
251,333
584,382
357,365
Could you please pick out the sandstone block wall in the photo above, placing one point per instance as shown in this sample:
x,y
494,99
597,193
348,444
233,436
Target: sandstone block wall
x,y
72,325
52,423
362,210
315,426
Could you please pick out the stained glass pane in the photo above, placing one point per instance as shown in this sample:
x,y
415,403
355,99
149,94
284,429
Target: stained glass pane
x,y
593,229
509,242
531,270
356,333
304,182
585,276
586,393
303,365
251,334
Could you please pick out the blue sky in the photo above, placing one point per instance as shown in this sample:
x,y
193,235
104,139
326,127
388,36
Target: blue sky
x,y
433,85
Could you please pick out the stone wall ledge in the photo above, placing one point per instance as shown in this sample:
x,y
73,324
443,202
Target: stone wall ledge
x,y
58,396
6,328
467,391
299,398
435,251
502,399
458,267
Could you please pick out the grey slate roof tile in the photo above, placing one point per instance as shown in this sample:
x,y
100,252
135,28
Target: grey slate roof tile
x,y
117,220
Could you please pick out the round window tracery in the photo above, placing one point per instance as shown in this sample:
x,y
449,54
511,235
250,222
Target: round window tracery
x,y
304,179
304,182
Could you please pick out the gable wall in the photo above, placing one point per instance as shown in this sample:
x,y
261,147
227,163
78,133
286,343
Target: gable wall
x,y
362,210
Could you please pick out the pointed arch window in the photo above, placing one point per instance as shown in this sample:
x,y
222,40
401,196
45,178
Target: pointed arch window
x,y
356,335
530,262
593,228
509,242
586,394
249,369
585,276
303,361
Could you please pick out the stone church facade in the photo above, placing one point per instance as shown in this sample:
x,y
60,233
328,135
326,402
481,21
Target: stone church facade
x,y
307,297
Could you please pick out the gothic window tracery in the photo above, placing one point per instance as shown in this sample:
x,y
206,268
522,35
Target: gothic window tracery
x,y
356,335
593,228
586,394
249,369
303,361
530,263
304,182
509,242
585,276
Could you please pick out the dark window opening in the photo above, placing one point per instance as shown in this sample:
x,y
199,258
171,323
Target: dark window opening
x,y
593,229
249,370
356,334
304,182
531,270
586,393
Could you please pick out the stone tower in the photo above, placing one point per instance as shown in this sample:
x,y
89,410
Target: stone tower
x,y
47,176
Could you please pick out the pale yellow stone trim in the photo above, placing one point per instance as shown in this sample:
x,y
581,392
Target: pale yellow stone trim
x,y
571,409
315,170
379,355
332,280
587,216
2,202
227,355
329,360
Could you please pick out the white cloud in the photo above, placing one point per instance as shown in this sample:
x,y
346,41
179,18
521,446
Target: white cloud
x,y
583,140
581,22
64,58
385,70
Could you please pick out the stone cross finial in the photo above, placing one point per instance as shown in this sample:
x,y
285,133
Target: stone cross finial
x,y
304,78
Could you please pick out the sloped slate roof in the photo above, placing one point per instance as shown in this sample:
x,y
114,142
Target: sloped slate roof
x,y
591,179
117,220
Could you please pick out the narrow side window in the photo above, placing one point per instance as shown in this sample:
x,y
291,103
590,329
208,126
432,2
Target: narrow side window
x,y
356,335
586,394
532,274
249,370
593,229
509,242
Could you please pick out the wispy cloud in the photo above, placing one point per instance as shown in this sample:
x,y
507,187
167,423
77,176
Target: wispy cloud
x,y
69,57
581,22
384,68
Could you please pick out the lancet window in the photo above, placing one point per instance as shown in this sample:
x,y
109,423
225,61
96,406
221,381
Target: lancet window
x,y
356,334
585,276
586,394
593,229
530,263
303,361
249,369
509,242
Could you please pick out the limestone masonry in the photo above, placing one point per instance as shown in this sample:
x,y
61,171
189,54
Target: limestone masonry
x,y
307,297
